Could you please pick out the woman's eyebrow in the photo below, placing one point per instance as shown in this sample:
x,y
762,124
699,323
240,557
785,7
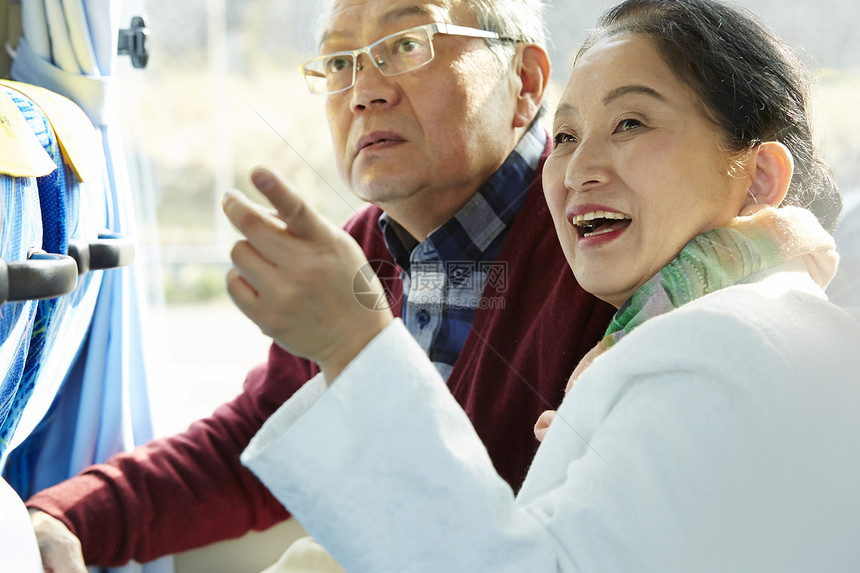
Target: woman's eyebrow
x,y
635,88
564,110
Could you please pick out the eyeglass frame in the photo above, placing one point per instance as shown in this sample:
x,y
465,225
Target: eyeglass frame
x,y
431,29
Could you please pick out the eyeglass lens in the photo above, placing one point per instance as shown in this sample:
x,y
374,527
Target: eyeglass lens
x,y
392,55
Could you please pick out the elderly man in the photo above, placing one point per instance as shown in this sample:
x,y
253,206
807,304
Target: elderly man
x,y
432,107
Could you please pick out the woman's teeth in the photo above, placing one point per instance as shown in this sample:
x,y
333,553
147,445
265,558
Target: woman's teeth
x,y
597,222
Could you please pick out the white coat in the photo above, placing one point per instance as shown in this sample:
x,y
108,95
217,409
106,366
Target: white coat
x,y
722,436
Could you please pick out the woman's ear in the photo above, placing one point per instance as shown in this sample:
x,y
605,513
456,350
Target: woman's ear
x,y
771,166
532,66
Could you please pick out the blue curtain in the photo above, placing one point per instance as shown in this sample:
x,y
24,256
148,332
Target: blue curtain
x,y
69,47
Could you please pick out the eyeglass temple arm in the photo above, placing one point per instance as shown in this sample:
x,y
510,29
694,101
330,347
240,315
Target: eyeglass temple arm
x,y
309,72
455,30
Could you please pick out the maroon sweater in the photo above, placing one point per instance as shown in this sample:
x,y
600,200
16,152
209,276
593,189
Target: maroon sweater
x,y
190,490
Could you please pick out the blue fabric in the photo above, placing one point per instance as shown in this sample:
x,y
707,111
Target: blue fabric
x,y
54,203
29,467
20,229
444,276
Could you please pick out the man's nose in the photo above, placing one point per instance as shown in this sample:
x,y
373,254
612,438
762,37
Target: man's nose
x,y
372,88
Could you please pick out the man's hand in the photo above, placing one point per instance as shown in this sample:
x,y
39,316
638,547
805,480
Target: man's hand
x,y
60,549
294,276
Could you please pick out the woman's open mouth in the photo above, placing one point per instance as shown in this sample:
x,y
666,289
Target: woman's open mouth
x,y
599,223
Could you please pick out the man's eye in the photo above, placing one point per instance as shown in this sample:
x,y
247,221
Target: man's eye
x,y
408,45
628,124
337,64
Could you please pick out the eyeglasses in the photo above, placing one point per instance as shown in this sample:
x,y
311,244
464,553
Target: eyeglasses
x,y
392,55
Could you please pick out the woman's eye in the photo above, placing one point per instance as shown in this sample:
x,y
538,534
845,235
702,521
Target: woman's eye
x,y
563,138
628,124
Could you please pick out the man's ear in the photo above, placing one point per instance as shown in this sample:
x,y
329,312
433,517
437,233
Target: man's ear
x,y
771,166
532,66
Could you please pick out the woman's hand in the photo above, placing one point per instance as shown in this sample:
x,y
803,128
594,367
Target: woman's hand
x,y
296,276
545,419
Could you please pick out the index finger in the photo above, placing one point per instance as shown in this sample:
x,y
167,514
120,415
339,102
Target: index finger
x,y
301,219
263,228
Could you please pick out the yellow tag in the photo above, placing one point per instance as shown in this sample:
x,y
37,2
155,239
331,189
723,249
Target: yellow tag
x,y
21,154
79,142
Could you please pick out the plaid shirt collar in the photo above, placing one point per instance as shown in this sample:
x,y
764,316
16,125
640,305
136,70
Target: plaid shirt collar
x,y
489,212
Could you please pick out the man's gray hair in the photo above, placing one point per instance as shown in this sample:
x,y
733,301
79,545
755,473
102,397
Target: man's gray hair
x,y
520,20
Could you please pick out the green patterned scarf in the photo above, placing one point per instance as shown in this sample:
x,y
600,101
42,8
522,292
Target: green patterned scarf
x,y
715,260
724,257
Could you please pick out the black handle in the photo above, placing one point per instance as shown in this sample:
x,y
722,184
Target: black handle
x,y
108,252
80,251
111,251
42,275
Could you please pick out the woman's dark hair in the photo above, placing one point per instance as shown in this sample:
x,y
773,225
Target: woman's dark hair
x,y
748,80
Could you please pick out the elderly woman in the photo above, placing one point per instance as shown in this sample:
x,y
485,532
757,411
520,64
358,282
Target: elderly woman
x,y
713,429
